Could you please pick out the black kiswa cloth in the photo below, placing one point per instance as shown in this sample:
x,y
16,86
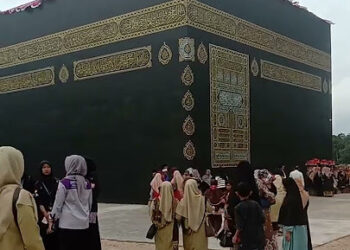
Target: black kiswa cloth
x,y
292,212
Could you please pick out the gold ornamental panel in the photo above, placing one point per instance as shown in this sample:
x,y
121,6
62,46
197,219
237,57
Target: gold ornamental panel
x,y
189,151
187,77
202,54
165,54
215,21
63,75
254,67
165,16
139,23
27,80
189,126
119,62
229,107
278,73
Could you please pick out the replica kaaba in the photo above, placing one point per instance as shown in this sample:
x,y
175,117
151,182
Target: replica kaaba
x,y
135,84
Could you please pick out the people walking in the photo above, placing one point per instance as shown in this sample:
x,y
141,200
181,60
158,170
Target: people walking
x,y
305,200
281,193
293,217
18,214
250,219
191,211
94,231
46,187
73,205
264,181
163,216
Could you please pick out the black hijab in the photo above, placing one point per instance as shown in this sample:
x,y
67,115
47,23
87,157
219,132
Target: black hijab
x,y
245,173
292,212
92,177
49,180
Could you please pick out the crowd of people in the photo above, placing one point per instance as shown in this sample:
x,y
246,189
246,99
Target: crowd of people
x,y
48,213
247,213
327,180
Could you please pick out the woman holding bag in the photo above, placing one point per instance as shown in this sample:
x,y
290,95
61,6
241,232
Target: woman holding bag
x,y
192,211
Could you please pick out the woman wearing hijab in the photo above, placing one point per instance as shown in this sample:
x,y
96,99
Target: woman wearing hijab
x,y
281,193
163,216
305,200
155,185
264,181
73,205
94,232
46,188
178,183
293,217
191,211
19,232
207,177
216,198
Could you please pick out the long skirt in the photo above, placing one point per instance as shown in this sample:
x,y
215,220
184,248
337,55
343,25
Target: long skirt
x,y
50,240
94,236
72,239
164,238
270,234
196,240
299,239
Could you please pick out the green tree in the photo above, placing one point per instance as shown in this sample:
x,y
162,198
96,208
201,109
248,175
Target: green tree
x,y
341,148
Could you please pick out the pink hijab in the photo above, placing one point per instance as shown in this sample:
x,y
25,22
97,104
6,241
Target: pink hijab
x,y
178,181
156,182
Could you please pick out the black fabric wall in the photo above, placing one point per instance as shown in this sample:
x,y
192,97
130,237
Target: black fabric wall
x,y
288,124
132,122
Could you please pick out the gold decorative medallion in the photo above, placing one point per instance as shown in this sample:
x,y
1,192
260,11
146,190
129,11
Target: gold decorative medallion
x,y
27,80
119,62
186,49
187,76
229,107
188,126
325,86
202,54
189,151
165,54
188,101
254,67
283,74
63,75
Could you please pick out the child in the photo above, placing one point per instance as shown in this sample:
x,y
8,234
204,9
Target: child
x,y
250,221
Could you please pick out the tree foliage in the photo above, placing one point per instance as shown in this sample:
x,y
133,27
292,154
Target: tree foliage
x,y
341,148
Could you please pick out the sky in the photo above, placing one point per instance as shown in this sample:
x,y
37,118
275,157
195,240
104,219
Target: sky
x,y
337,11
8,4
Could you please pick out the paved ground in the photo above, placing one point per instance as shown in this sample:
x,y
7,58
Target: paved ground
x,y
341,244
127,225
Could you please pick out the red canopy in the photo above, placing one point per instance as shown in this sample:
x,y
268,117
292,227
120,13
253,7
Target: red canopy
x,y
313,162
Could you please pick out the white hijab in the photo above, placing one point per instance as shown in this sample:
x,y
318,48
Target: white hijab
x,y
76,169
